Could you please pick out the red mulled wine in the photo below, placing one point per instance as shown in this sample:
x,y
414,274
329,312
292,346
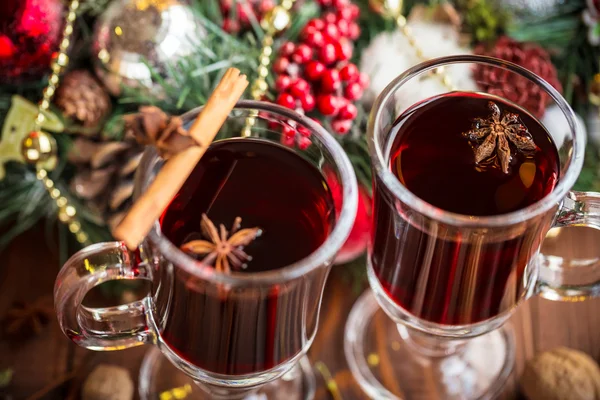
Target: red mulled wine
x,y
231,330
475,155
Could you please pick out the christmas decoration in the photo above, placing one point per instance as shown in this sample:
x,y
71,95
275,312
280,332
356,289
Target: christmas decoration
x,y
108,382
172,53
315,75
518,89
25,319
82,99
19,123
391,53
241,15
134,38
30,31
484,19
275,21
527,9
105,172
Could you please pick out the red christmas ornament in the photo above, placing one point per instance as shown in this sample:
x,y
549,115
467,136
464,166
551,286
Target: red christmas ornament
x,y
515,88
315,77
30,31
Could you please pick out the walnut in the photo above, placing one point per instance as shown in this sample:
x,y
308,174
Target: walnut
x,y
108,382
561,374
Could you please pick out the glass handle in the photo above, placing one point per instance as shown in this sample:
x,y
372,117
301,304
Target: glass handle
x,y
110,328
563,279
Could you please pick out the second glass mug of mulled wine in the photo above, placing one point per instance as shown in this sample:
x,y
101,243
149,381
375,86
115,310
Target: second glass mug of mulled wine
x,y
234,302
467,183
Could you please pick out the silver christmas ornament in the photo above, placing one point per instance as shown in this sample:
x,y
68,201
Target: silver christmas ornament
x,y
134,37
532,8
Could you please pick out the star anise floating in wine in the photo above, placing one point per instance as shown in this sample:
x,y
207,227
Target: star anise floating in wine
x,y
498,130
225,249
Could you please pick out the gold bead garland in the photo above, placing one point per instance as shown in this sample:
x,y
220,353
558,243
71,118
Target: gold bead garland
x,y
275,21
40,147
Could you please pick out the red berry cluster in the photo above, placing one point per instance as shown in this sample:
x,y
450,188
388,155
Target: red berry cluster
x,y
238,14
315,75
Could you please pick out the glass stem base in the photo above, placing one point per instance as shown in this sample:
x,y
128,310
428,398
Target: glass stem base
x,y
159,379
391,361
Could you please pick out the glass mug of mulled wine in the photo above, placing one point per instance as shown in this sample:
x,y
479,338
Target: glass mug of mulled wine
x,y
466,185
237,263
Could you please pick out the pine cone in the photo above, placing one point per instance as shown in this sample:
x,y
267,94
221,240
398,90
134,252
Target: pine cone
x,y
83,99
516,88
106,169
105,177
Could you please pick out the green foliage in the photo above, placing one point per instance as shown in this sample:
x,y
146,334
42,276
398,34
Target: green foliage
x,y
485,20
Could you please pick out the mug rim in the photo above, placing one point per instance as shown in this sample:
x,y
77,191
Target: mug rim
x,y
323,255
393,184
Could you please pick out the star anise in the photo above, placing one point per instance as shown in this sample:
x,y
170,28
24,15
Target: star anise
x,y
27,318
498,130
226,248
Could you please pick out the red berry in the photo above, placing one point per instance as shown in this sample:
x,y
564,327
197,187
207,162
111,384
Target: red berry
x,y
266,6
280,65
307,101
302,54
330,81
288,131
341,126
363,80
316,23
299,88
354,9
282,82
353,91
304,143
353,31
327,53
231,25
314,70
345,14
348,111
307,31
340,3
329,18
287,141
244,10
343,50
331,32
286,100
327,104
349,73
287,49
315,39
343,26
226,6
304,131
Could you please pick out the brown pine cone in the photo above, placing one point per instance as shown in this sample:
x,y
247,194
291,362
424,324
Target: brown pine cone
x,y
105,174
516,88
82,98
106,169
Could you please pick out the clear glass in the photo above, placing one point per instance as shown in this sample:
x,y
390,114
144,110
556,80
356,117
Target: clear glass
x,y
294,291
417,344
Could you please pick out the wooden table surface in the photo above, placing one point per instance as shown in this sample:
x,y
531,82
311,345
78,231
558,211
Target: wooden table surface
x,y
28,268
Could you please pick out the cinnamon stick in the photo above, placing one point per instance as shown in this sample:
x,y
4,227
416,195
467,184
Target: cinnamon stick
x,y
151,204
